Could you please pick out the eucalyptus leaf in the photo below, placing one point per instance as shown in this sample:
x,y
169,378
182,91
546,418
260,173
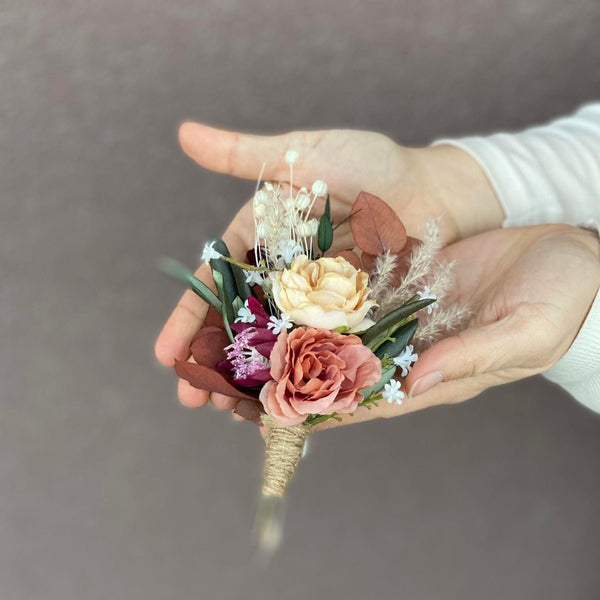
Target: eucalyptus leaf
x,y
181,273
385,377
225,268
382,330
226,305
401,336
237,304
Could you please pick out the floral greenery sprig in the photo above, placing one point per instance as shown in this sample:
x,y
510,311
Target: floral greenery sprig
x,y
300,337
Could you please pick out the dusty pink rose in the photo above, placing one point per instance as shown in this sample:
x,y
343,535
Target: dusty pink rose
x,y
316,371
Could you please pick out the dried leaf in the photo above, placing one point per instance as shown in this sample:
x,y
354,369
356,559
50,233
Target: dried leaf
x,y
375,226
207,347
206,378
249,410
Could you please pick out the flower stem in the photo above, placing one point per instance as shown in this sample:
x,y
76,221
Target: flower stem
x,y
315,419
241,264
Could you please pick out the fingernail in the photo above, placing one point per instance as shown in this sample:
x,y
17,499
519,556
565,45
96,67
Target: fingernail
x,y
425,383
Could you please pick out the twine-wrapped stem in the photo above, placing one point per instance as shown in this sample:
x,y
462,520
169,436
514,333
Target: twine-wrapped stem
x,y
282,454
284,447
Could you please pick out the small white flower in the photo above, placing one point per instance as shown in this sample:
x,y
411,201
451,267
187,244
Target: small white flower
x,y
253,277
427,295
314,226
261,197
391,392
288,250
260,211
291,220
304,230
302,201
405,359
291,157
319,188
278,324
262,231
245,315
209,253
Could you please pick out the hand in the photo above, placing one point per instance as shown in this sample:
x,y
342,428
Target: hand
x,y
418,183
530,290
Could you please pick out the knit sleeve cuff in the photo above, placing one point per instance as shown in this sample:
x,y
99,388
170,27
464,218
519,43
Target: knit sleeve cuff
x,y
506,167
578,371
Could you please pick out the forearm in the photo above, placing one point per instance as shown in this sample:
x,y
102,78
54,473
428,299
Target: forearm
x,y
458,181
545,174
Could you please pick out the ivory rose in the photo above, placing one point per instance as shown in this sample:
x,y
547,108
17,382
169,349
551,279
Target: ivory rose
x,y
327,293
316,371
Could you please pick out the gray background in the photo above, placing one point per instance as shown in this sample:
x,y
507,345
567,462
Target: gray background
x,y
109,488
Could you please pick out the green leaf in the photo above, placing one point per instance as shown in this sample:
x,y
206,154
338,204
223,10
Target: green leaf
x,y
181,273
226,270
325,234
385,377
237,304
327,211
239,277
401,336
382,330
226,305
243,289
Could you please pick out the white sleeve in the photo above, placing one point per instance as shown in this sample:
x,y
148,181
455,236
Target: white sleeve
x,y
546,174
551,174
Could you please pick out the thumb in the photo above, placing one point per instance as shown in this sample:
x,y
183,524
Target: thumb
x,y
243,154
478,350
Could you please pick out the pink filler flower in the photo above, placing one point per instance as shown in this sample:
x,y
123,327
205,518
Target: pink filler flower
x,y
316,371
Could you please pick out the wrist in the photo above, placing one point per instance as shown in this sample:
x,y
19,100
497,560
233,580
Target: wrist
x,y
460,186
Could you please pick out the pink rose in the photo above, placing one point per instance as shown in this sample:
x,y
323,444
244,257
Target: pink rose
x,y
316,371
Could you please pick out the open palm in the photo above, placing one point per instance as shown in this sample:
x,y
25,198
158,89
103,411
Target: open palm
x,y
530,289
418,183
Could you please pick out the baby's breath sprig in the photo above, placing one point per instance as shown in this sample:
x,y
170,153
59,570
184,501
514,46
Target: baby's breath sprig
x,y
283,226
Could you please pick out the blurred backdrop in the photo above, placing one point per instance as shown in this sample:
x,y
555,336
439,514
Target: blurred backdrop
x,y
108,487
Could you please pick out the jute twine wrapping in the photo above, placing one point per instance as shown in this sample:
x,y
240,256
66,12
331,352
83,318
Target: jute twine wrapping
x,y
282,454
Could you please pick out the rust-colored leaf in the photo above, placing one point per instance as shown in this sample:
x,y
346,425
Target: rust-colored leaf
x,y
213,319
207,347
206,378
375,226
249,410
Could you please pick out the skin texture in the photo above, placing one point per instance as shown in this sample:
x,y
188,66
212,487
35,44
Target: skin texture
x,y
530,288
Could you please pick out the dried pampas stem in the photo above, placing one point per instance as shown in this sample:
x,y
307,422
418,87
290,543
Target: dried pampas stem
x,y
422,260
284,449
444,321
381,275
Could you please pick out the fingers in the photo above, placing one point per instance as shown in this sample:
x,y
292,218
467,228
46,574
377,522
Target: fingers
x,y
223,402
186,319
194,398
242,154
479,350
189,395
